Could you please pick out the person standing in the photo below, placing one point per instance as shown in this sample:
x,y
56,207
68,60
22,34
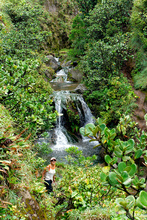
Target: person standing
x,y
49,175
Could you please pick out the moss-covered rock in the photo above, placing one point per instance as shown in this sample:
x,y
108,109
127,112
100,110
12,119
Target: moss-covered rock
x,y
47,71
32,208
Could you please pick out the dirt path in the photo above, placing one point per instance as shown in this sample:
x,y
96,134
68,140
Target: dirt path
x,y
141,110
141,101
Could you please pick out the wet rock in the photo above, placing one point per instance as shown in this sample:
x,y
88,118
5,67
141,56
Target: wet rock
x,y
80,89
52,62
69,64
76,74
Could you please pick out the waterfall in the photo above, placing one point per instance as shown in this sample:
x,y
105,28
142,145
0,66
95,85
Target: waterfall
x,y
63,139
87,112
61,76
59,110
60,138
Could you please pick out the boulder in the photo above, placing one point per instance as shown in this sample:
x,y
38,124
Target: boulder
x,y
76,74
47,71
69,64
80,89
52,62
32,207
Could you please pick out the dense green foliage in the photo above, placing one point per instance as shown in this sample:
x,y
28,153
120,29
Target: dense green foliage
x,y
78,32
82,190
19,168
21,171
103,41
23,89
26,94
27,34
103,45
86,5
108,39
110,100
139,42
121,156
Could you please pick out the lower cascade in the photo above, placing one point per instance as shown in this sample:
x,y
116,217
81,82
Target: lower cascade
x,y
61,138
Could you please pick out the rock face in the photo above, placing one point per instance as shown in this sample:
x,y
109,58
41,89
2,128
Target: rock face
x,y
76,74
48,71
69,64
73,72
80,89
52,62
32,208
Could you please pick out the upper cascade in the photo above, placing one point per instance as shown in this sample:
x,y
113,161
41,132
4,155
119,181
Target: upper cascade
x,y
61,81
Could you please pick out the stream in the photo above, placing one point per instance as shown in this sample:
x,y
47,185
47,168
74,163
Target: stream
x,y
60,138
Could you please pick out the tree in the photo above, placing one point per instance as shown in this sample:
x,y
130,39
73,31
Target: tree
x,y
86,5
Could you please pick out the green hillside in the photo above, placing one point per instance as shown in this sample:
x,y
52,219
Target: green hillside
x,y
107,40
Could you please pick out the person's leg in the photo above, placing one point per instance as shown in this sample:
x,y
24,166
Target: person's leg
x,y
48,184
50,188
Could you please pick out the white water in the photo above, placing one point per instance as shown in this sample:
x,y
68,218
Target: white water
x,y
63,140
61,137
60,131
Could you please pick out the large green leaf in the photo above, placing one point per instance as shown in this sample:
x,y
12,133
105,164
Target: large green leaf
x,y
118,152
112,133
89,128
103,176
130,146
131,142
138,203
143,198
82,131
138,154
121,166
106,169
96,130
113,179
108,159
102,126
126,203
107,132
133,169
130,201
127,182
125,175
121,202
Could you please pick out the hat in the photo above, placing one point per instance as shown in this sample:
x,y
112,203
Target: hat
x,y
53,158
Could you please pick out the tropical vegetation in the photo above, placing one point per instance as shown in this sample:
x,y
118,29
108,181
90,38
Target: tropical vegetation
x,y
107,41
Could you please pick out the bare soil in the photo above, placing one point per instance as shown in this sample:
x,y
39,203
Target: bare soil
x,y
141,101
141,110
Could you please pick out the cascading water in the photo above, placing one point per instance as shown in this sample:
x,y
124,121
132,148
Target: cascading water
x,y
61,76
59,137
61,134
63,140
